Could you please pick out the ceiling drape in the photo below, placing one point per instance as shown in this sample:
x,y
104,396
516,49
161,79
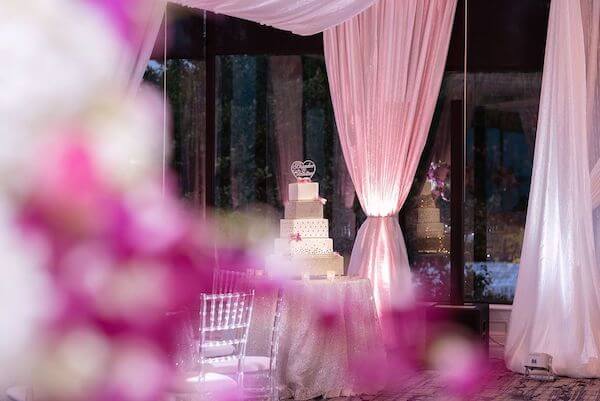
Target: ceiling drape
x,y
305,17
136,54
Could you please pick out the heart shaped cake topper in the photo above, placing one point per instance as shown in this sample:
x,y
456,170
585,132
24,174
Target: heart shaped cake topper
x,y
303,170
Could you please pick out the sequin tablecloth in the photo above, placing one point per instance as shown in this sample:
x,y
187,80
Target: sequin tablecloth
x,y
326,327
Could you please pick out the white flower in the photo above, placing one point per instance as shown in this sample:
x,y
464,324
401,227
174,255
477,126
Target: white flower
x,y
58,56
127,137
26,296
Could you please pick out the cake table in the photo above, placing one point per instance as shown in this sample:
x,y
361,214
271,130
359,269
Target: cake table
x,y
326,327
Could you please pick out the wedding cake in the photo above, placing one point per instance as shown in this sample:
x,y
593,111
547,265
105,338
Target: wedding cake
x,y
304,246
428,216
430,231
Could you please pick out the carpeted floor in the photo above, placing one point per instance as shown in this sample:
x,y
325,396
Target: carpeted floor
x,y
498,385
502,385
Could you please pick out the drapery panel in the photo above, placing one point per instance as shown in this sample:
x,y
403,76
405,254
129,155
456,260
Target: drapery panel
x,y
305,17
134,60
591,28
285,74
556,309
385,68
590,10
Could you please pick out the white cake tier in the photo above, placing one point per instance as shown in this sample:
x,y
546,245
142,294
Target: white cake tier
x,y
303,191
307,228
428,215
427,187
287,266
304,247
428,230
304,210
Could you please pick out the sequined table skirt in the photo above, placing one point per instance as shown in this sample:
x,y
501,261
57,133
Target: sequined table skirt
x,y
328,329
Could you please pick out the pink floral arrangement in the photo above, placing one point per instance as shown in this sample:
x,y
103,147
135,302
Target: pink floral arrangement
x,y
112,249
118,262
439,177
86,221
323,201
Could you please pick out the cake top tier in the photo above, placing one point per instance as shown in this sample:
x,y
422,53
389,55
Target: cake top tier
x,y
304,191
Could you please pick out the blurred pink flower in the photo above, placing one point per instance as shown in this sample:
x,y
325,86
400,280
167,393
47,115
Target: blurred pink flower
x,y
119,261
69,197
83,364
122,14
460,361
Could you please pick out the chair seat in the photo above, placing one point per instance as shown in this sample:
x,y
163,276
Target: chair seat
x,y
251,364
210,383
17,393
219,350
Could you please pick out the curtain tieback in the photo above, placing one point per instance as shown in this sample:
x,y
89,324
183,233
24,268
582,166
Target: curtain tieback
x,y
383,217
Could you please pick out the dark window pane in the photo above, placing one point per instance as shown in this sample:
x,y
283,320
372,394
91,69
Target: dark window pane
x,y
271,111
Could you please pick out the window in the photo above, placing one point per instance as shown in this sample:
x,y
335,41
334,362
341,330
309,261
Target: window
x,y
503,92
247,100
270,111
186,80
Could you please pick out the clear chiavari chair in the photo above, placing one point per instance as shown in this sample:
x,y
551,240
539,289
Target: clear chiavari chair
x,y
260,373
224,322
230,281
191,383
265,383
261,370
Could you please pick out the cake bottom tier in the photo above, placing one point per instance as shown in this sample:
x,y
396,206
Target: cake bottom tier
x,y
296,266
435,245
426,230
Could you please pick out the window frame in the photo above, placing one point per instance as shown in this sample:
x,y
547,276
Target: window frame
x,y
221,35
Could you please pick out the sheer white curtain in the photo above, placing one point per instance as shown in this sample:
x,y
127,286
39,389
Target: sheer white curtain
x,y
385,68
137,53
305,17
557,304
591,27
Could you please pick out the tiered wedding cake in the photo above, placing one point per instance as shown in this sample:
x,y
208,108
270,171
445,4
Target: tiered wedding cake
x,y
431,234
428,216
304,246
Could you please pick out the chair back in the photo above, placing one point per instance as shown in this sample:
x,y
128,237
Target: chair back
x,y
230,281
274,349
225,322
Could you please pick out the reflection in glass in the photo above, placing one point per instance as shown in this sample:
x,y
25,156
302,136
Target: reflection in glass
x,y
501,119
427,210
271,111
186,96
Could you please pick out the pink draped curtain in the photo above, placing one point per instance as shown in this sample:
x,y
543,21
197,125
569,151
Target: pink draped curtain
x,y
591,26
385,67
556,309
305,17
136,55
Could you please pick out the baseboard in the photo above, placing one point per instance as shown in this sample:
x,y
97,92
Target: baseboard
x,y
499,321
